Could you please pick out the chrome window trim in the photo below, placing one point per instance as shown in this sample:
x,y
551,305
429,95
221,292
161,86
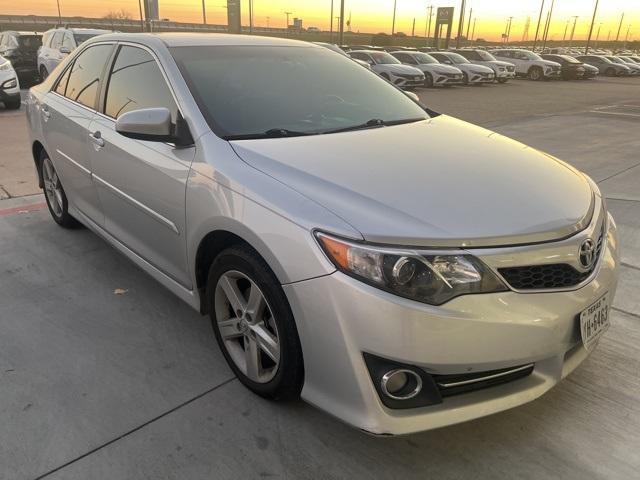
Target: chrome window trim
x,y
141,206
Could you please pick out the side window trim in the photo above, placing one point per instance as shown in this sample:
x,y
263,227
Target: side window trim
x,y
71,64
107,74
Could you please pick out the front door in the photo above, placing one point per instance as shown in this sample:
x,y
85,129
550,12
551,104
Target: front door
x,y
141,184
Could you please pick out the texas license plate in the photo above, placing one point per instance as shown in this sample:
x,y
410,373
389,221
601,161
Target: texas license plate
x,y
594,321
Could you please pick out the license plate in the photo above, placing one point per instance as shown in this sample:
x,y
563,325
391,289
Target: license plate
x,y
594,321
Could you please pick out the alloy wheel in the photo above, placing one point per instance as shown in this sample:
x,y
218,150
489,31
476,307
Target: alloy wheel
x,y
52,187
247,326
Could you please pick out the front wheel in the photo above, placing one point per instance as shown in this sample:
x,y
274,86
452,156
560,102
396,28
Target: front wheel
x,y
13,104
254,325
503,80
54,194
465,78
610,72
535,73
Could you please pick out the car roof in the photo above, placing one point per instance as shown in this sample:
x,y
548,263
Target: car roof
x,y
203,39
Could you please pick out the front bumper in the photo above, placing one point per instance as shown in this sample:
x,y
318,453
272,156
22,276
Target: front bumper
x,y
552,73
475,78
339,319
505,74
409,81
447,79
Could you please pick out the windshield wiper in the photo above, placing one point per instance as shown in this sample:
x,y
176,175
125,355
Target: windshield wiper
x,y
271,133
375,123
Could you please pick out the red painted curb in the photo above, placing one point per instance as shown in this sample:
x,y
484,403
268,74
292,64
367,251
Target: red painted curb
x,y
22,209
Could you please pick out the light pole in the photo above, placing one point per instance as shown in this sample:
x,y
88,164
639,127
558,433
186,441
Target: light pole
x,y
535,40
427,30
331,24
393,23
626,38
573,29
598,34
546,32
460,24
508,32
268,18
564,37
341,22
473,30
250,16
619,27
59,14
469,22
593,19
204,12
141,17
287,14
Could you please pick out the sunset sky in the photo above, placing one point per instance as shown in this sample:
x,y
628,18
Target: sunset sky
x,y
372,15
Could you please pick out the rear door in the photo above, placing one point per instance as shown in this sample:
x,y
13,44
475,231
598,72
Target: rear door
x,y
142,184
67,111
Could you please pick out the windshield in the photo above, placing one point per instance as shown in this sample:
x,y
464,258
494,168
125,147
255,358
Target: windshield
x,y
529,55
423,58
30,41
570,59
383,58
250,91
83,37
615,60
486,56
457,58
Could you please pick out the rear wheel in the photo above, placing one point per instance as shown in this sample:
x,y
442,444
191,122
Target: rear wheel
x,y
13,104
54,194
428,80
535,73
254,325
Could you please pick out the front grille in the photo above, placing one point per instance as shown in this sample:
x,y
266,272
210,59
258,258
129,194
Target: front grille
x,y
452,75
552,276
511,68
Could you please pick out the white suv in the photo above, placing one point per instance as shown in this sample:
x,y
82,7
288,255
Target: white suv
x,y
529,64
503,70
60,42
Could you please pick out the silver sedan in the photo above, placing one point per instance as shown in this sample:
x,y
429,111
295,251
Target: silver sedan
x,y
400,269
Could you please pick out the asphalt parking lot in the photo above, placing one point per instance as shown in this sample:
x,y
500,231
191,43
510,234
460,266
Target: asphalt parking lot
x,y
98,385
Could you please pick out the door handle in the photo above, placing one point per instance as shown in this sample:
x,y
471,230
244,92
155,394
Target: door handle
x,y
96,138
45,112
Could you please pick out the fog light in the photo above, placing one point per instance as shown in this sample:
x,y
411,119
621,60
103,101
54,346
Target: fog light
x,y
401,384
10,83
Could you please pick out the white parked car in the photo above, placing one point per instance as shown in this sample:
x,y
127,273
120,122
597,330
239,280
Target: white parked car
x,y
390,68
472,74
335,48
60,42
9,85
529,64
503,70
634,69
435,73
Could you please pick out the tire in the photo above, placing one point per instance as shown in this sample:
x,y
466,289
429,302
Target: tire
x,y
54,194
465,78
503,80
43,73
428,80
535,74
610,72
13,105
248,330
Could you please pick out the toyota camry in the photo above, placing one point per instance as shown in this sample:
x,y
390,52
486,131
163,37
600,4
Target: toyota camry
x,y
399,268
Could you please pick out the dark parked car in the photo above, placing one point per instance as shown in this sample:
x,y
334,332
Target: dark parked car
x,y
605,66
21,49
572,68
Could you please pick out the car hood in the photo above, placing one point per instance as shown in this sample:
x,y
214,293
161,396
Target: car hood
x,y
395,68
499,63
439,67
549,63
474,67
439,182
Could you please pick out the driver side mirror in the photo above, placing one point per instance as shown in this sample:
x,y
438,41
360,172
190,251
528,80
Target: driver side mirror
x,y
154,125
448,62
65,50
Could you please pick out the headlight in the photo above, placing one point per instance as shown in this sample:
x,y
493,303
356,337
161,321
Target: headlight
x,y
5,66
10,83
501,69
427,277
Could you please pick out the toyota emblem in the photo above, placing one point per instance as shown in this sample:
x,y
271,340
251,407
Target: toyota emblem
x,y
587,253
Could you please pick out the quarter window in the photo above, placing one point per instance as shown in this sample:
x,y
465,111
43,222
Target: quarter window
x,y
62,83
84,79
136,82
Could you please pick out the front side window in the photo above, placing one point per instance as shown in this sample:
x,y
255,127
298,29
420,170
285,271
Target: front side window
x,y
424,59
249,91
136,82
67,42
384,58
84,79
486,56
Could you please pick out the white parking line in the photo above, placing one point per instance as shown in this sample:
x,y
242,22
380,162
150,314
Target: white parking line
x,y
616,113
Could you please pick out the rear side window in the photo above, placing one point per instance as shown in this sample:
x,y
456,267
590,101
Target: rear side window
x,y
136,82
67,41
84,79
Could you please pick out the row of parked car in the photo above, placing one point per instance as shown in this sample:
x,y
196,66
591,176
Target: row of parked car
x,y
412,67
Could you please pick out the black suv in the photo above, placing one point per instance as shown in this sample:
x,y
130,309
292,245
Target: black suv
x,y
572,68
21,49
